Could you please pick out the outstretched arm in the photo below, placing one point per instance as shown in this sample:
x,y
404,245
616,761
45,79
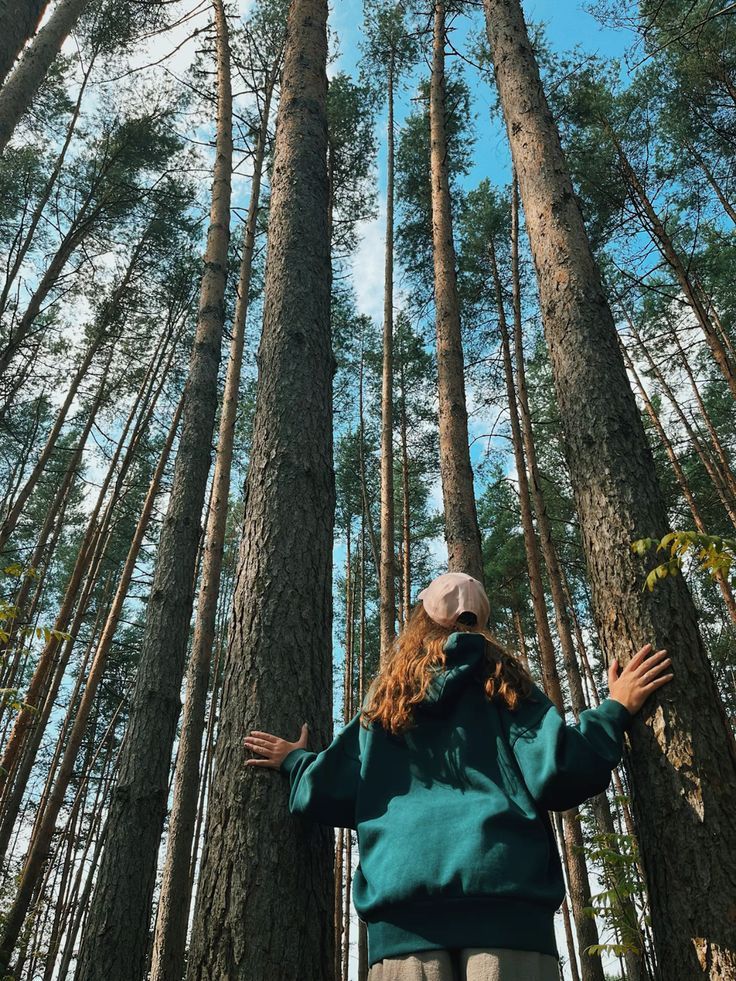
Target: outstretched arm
x,y
565,765
323,785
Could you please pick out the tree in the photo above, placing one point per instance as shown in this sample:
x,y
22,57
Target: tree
x,y
16,27
392,51
266,34
126,874
461,530
618,499
278,669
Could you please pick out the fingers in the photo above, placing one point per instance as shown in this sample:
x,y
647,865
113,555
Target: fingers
x,y
638,658
655,668
259,762
264,735
658,681
652,664
259,746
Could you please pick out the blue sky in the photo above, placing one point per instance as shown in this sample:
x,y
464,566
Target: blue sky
x,y
566,24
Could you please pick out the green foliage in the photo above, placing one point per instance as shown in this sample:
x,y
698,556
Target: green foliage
x,y
351,158
616,857
714,554
413,188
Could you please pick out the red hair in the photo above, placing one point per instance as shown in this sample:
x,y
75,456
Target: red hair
x,y
405,677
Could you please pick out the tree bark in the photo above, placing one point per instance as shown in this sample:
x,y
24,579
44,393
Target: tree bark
x,y
18,23
115,938
257,858
387,585
20,90
173,912
461,519
683,755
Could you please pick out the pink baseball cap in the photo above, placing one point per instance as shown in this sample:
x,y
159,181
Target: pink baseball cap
x,y
454,593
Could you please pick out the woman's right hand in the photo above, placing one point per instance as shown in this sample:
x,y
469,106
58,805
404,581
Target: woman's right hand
x,y
273,748
641,676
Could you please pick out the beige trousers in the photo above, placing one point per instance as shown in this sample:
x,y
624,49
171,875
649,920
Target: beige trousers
x,y
468,964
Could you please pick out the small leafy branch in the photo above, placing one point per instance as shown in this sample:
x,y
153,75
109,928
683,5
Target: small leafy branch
x,y
715,554
616,855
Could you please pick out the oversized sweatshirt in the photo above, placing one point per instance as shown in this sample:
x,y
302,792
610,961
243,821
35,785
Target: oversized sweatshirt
x,y
456,847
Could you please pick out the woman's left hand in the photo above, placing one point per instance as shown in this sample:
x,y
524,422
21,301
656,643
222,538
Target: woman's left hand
x,y
273,748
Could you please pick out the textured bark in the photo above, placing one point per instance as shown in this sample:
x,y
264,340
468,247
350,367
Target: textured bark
x,y
173,911
115,938
387,575
19,91
18,23
264,906
683,755
461,520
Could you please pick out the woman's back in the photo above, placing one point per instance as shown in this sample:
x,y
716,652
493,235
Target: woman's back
x,y
456,850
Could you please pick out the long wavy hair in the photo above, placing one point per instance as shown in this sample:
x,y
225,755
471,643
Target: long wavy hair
x,y
418,650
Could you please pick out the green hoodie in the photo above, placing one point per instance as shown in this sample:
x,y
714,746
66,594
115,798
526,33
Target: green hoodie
x,y
455,841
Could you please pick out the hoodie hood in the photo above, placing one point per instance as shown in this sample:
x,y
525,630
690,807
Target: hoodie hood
x,y
464,651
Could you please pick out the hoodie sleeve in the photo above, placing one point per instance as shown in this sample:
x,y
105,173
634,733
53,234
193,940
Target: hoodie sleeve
x,y
324,785
564,765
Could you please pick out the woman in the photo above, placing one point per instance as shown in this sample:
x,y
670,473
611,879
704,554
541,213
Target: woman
x,y
448,773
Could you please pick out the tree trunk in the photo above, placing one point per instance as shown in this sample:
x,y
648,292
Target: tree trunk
x,y
18,23
257,857
683,756
387,574
599,804
115,938
405,510
579,884
461,520
173,913
20,90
